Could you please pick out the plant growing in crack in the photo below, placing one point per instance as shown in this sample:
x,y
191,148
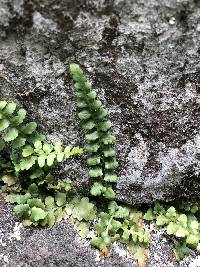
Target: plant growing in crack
x,y
27,162
101,154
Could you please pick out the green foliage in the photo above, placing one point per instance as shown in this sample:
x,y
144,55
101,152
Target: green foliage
x,y
101,159
40,210
28,172
37,214
184,227
31,156
36,210
139,253
116,224
63,186
40,199
123,224
83,209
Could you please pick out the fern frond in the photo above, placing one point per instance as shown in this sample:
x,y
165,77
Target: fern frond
x,y
96,126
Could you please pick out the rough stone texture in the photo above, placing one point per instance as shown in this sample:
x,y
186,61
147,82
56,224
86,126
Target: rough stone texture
x,y
142,56
59,246
161,253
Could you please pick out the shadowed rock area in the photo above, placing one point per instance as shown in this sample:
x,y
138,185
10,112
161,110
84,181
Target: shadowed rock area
x,y
143,59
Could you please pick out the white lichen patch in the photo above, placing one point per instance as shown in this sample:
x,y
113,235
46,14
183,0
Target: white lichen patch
x,y
172,21
137,158
2,237
16,232
119,250
174,161
18,6
2,243
195,262
94,32
98,257
5,14
179,159
4,260
44,25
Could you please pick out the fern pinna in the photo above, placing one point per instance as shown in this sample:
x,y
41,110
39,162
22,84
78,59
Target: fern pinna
x,y
101,160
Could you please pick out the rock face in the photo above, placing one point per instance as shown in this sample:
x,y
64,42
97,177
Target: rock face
x,y
143,58
59,246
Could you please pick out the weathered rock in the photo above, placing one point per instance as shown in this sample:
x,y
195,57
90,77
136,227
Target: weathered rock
x,y
142,56
161,253
58,246
63,247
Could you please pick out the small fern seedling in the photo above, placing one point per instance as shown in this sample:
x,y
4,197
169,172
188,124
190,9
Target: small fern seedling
x,y
101,154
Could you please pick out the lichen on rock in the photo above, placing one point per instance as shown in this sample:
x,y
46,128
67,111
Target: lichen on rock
x,y
143,59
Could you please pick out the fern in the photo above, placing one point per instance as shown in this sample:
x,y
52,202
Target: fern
x,y
27,174
29,151
118,223
101,154
40,200
183,227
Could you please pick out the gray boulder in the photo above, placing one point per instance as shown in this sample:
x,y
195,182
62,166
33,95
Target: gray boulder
x,y
143,58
